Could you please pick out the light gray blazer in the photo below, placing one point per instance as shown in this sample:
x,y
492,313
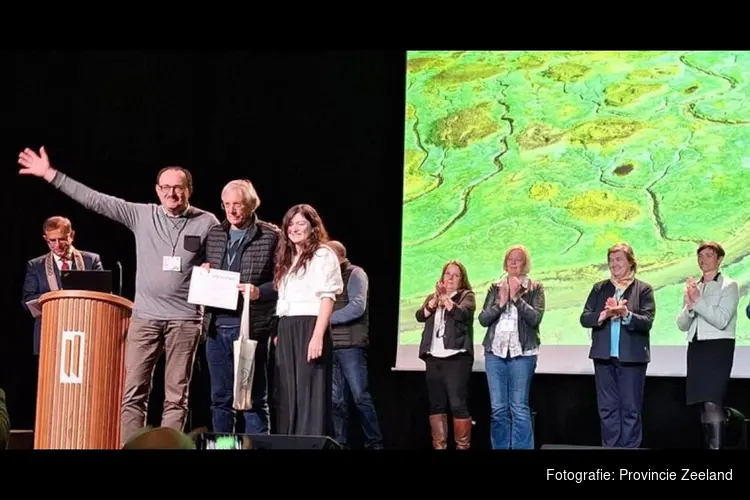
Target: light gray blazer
x,y
714,316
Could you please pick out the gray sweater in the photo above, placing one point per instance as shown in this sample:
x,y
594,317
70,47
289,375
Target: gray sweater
x,y
159,294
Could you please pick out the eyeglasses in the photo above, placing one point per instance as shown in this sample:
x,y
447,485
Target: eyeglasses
x,y
53,241
230,206
177,189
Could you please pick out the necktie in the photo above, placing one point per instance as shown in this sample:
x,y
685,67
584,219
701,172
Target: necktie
x,y
65,266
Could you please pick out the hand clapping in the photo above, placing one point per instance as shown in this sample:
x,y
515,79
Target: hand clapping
x,y
438,296
440,291
614,309
503,293
443,296
692,292
515,287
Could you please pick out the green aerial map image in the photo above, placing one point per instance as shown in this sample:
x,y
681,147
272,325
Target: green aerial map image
x,y
569,153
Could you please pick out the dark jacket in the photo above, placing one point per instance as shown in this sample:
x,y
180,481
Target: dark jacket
x,y
4,423
530,305
255,267
459,324
635,346
35,284
350,321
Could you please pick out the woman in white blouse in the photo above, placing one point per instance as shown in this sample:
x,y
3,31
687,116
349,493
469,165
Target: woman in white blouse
x,y
447,349
512,313
308,278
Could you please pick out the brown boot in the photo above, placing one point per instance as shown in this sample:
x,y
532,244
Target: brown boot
x,y
462,433
439,427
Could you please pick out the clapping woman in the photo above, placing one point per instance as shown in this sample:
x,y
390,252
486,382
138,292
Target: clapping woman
x,y
448,352
620,312
709,316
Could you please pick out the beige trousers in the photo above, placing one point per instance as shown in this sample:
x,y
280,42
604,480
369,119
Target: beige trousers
x,y
146,341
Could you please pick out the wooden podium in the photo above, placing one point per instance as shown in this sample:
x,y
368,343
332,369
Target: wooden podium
x,y
81,369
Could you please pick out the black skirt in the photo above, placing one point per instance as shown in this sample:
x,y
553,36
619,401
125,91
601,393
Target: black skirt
x,y
709,367
303,390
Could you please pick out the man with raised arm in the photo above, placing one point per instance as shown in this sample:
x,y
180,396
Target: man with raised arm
x,y
170,240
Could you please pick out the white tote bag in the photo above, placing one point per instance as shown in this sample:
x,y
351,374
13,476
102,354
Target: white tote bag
x,y
244,361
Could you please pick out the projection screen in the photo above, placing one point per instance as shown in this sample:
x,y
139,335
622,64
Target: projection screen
x,y
568,153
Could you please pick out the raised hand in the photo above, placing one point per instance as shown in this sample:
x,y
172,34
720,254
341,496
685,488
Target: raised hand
x,y
34,164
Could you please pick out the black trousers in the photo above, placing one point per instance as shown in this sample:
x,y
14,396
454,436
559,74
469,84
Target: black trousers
x,y
303,389
448,384
619,396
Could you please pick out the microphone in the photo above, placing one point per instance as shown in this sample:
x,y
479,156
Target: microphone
x,y
119,267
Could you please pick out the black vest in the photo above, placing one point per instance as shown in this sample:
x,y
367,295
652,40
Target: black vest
x,y
354,333
255,266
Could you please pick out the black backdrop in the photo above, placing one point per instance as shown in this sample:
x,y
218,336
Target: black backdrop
x,y
325,128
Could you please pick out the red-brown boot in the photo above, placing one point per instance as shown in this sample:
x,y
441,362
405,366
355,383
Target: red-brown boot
x,y
439,428
462,433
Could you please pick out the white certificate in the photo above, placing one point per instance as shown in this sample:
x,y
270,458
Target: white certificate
x,y
34,308
214,288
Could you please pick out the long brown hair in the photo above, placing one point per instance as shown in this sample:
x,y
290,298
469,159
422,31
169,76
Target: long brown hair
x,y
285,249
463,285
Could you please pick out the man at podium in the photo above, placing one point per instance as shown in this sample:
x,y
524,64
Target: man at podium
x,y
43,272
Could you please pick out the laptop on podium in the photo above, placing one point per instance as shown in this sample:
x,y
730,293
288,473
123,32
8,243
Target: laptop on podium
x,y
89,280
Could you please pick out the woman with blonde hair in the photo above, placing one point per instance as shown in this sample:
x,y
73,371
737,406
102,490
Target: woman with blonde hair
x,y
512,313
447,349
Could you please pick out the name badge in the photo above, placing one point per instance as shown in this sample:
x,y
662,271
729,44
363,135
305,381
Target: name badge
x,y
173,263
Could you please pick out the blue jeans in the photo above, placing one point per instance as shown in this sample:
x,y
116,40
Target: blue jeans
x,y
509,381
350,372
220,357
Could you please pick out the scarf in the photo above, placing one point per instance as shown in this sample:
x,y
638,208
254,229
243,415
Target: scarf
x,y
623,283
49,267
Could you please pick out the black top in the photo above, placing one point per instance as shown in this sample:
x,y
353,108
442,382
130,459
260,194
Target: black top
x,y
635,345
